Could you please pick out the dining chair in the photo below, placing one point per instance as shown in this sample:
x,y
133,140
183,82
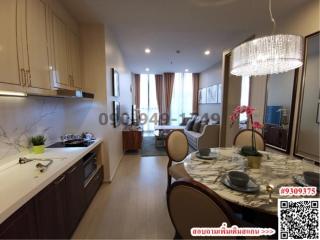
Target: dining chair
x,y
177,148
191,204
244,138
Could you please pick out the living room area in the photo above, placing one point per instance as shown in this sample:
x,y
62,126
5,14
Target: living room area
x,y
183,101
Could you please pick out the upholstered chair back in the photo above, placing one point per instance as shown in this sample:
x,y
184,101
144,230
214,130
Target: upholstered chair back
x,y
191,204
244,138
177,146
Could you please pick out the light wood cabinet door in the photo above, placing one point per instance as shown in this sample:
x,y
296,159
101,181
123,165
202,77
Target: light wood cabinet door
x,y
60,49
9,63
37,45
74,46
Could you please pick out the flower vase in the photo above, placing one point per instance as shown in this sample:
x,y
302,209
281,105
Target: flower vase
x,y
38,149
254,162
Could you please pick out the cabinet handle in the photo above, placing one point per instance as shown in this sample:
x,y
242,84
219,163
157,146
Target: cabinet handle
x,y
28,78
60,180
71,80
23,77
73,169
97,177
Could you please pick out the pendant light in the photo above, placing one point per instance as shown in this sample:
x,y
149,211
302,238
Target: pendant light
x,y
271,54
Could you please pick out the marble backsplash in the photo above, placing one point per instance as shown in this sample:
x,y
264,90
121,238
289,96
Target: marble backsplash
x,y
21,118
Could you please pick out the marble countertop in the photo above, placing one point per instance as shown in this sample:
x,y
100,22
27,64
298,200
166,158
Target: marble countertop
x,y
20,182
275,169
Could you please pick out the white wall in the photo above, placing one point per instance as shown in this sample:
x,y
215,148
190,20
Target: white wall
x,y
100,54
208,78
115,60
21,118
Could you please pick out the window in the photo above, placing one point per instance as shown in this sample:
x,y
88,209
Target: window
x,y
148,101
245,94
182,97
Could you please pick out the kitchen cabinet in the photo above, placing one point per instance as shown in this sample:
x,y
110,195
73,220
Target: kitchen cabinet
x,y
24,59
37,57
66,56
21,225
9,55
60,52
74,58
57,209
75,196
40,47
50,206
93,185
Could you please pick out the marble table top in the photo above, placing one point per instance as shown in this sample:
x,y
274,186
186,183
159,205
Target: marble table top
x,y
275,169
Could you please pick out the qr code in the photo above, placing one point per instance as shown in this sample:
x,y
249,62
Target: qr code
x,y
298,218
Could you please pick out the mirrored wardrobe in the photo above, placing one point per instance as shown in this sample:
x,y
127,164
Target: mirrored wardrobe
x,y
307,132
279,109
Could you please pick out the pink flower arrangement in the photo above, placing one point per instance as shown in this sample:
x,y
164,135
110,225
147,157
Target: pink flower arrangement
x,y
257,125
254,124
249,111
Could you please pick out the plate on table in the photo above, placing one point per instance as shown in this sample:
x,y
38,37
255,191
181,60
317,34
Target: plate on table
x,y
299,179
211,156
251,187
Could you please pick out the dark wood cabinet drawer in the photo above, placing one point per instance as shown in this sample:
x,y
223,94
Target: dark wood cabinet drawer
x,y
93,185
21,225
75,198
50,210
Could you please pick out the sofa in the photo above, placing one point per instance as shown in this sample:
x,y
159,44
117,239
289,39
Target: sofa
x,y
206,137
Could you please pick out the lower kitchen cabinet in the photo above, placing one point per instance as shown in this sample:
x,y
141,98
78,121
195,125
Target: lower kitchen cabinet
x,y
50,206
75,196
56,211
22,224
93,185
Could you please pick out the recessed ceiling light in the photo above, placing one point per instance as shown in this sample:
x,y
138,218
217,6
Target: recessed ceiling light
x,y
147,50
147,69
186,70
207,52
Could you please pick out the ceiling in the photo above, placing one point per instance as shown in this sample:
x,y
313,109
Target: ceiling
x,y
190,26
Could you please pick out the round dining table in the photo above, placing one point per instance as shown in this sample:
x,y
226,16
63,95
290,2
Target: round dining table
x,y
275,169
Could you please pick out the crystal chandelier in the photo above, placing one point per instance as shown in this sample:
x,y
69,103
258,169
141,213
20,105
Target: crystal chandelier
x,y
267,55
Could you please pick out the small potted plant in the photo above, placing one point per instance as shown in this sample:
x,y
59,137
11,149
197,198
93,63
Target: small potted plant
x,y
38,144
251,152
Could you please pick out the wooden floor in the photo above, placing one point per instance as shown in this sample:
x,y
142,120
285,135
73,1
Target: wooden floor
x,y
133,205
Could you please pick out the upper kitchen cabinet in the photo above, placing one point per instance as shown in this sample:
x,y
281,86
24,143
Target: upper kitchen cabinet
x,y
61,66
10,71
74,51
39,47
65,48
38,68
24,59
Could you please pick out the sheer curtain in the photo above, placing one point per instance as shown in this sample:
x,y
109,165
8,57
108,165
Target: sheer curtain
x,y
148,102
182,97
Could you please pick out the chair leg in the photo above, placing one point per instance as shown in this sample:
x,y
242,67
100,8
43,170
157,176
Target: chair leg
x,y
169,182
177,236
169,176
